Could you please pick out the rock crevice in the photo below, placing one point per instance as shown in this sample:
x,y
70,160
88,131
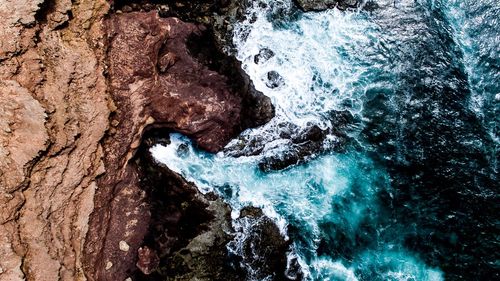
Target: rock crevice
x,y
159,78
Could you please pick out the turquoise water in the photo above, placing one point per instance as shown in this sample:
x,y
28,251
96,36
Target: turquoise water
x,y
420,80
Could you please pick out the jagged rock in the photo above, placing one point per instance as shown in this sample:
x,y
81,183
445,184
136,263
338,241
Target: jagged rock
x,y
160,76
274,80
320,5
190,231
264,55
54,114
291,144
69,134
262,248
219,15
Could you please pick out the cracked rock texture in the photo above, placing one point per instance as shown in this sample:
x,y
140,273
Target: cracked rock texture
x,y
158,79
53,114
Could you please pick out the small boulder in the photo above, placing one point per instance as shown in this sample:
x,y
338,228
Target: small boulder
x,y
264,55
274,80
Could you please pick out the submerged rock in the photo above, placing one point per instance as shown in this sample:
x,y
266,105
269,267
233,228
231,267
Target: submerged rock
x,y
320,5
274,80
264,55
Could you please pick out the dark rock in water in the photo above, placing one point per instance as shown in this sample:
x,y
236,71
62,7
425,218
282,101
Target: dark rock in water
x,y
189,233
313,134
371,6
320,5
267,243
304,144
348,4
263,247
316,5
279,161
301,144
274,80
294,271
250,211
264,55
183,150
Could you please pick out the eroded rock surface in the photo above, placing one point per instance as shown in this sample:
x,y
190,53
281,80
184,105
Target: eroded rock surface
x,y
191,232
159,77
54,112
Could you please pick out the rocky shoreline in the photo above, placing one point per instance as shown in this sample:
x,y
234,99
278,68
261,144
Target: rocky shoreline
x,y
86,87
180,82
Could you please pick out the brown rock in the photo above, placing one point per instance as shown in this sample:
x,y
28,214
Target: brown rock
x,y
158,79
54,113
153,74
58,165
148,260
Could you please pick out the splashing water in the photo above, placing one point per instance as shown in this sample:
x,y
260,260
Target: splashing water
x,y
408,71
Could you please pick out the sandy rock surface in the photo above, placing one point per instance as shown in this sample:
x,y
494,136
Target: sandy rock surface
x,y
53,113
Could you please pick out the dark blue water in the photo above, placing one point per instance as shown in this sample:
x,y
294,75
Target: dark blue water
x,y
413,192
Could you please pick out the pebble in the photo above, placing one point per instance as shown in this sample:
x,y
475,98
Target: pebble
x,y
109,265
124,246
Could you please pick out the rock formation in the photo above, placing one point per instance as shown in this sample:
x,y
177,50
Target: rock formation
x,y
157,79
320,5
54,112
77,95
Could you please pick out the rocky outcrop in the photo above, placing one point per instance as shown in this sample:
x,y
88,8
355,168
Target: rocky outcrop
x,y
76,96
320,5
53,114
161,75
188,231
219,15
301,143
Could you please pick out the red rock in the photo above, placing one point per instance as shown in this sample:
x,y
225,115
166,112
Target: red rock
x,y
158,79
148,260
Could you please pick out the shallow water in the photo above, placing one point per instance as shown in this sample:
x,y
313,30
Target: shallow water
x,y
413,195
